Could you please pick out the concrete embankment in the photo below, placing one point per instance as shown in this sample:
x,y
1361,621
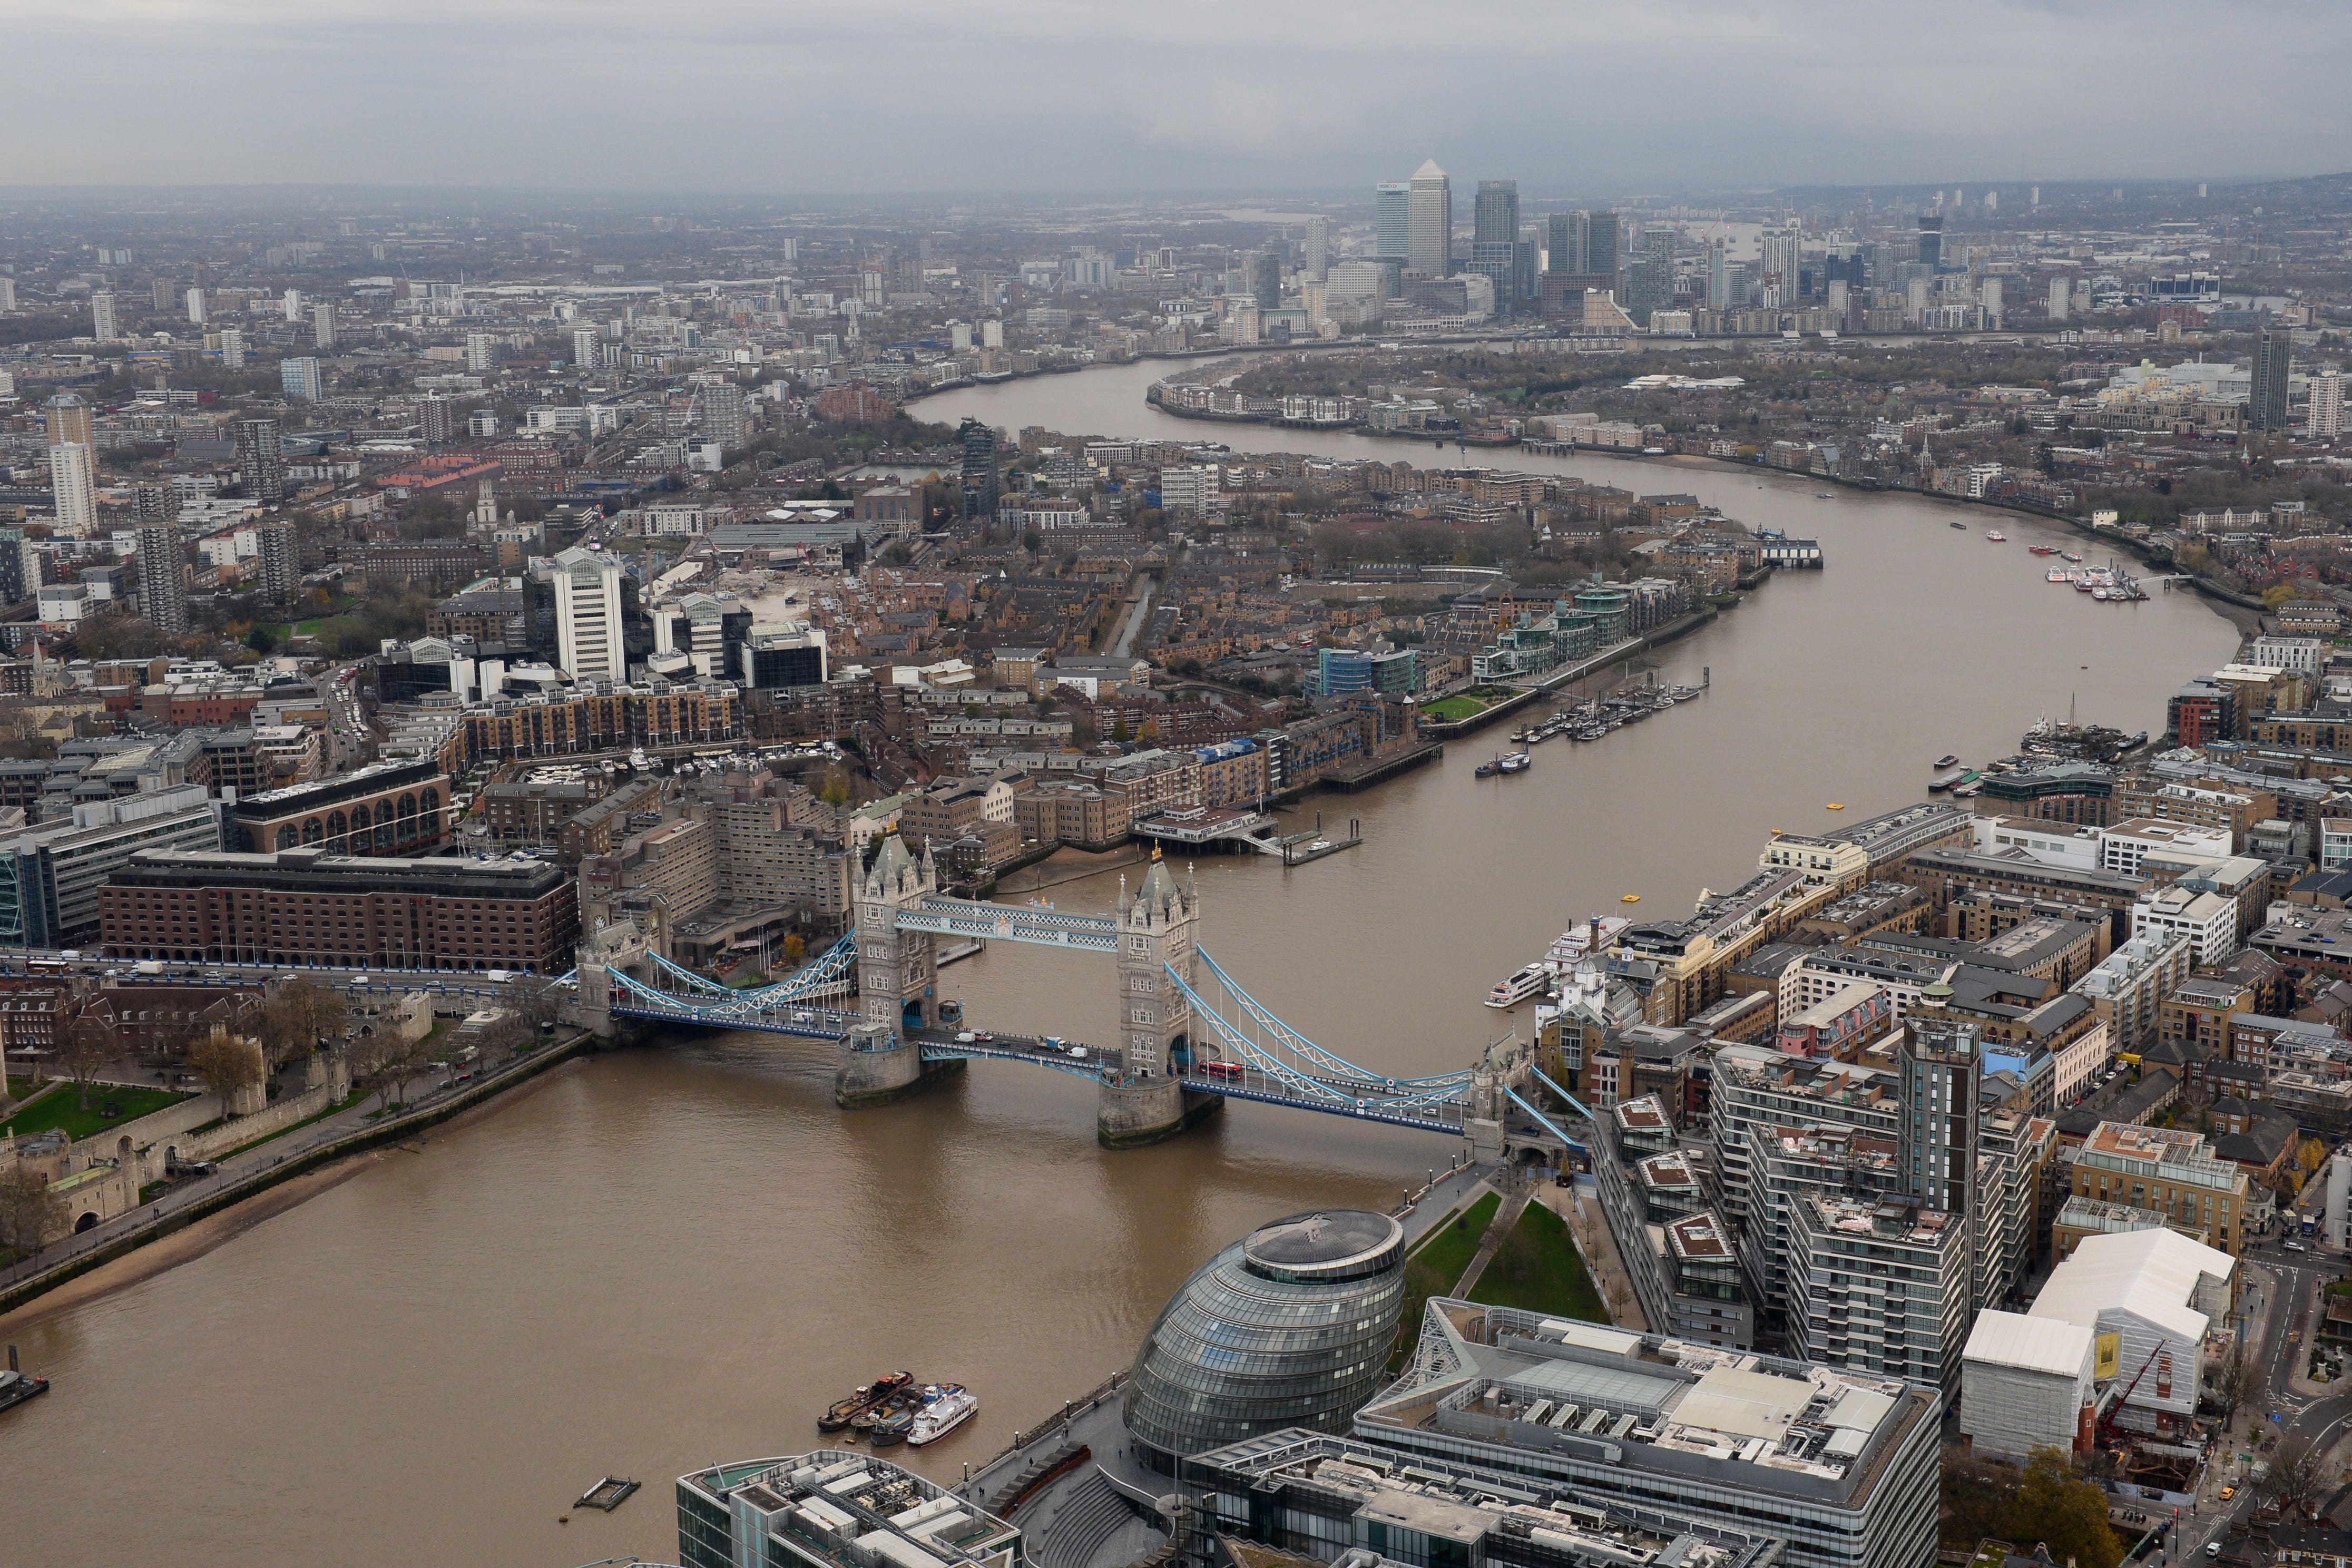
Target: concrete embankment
x,y
227,1194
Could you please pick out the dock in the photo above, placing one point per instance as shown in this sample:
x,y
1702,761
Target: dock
x,y
961,950
1304,848
607,1494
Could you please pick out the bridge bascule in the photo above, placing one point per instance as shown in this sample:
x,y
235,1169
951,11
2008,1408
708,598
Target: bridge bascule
x,y
1190,1036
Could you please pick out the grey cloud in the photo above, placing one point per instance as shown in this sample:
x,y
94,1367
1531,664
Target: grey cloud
x,y
924,95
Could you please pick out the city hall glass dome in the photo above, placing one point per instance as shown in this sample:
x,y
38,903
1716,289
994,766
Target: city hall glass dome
x,y
1287,1328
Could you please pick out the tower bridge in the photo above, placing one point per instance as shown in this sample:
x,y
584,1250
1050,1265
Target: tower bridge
x,y
1190,1036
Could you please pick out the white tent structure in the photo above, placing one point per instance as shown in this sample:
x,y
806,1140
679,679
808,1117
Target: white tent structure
x,y
2158,1293
2025,1383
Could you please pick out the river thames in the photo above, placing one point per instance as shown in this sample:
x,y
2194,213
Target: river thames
x,y
665,1257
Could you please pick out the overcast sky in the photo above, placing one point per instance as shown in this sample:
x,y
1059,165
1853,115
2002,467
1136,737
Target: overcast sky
x,y
852,96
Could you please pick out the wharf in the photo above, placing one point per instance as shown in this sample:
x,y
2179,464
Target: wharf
x,y
1616,653
1348,781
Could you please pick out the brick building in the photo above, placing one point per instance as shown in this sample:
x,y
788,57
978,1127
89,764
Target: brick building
x,y
307,906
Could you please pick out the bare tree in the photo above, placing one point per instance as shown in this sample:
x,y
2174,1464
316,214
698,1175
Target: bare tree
x,y
228,1064
384,1061
298,1018
29,1214
84,1045
2299,1475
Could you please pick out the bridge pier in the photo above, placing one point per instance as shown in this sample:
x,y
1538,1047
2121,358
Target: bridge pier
x,y
878,1068
1143,1112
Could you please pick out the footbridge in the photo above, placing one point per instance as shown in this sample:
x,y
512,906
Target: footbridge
x,y
1191,1036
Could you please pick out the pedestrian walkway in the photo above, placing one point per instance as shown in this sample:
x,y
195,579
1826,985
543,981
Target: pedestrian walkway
x,y
1514,1205
1598,1244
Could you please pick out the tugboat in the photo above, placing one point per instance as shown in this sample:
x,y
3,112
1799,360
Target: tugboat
x,y
1488,769
842,1413
1997,536
945,1406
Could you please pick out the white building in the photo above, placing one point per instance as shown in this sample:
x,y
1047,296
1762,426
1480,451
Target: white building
x,y
2148,1297
2299,655
196,299
478,353
1190,489
588,617
2126,845
2045,843
2326,402
73,480
2209,920
2025,1383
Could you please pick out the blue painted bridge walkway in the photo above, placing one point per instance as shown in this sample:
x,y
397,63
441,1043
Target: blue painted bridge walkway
x,y
1238,1049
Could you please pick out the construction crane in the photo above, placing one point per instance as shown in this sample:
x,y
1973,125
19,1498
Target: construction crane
x,y
2107,1422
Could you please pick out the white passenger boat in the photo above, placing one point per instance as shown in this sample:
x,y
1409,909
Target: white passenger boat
x,y
1521,986
945,1406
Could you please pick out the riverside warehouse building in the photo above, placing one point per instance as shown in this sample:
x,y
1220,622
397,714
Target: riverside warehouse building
x,y
831,1509
1842,1467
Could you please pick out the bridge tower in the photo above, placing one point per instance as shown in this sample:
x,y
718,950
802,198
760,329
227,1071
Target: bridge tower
x,y
897,970
1158,929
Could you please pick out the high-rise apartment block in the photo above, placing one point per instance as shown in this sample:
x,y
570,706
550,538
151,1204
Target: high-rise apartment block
x,y
323,326
274,553
588,633
73,483
2266,408
232,348
260,461
2327,417
299,378
101,317
726,414
195,300
162,589
587,348
980,473
478,353
1318,248
67,417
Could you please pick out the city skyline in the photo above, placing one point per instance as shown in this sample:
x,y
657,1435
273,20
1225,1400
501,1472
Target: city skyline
x,y
2043,93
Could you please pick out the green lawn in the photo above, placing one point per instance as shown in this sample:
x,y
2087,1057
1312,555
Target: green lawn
x,y
1438,1260
63,1109
1538,1269
1451,709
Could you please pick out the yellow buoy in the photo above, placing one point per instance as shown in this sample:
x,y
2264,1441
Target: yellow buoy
x,y
1631,898
1837,805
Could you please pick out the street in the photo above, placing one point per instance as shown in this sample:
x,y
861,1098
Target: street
x,y
2275,1304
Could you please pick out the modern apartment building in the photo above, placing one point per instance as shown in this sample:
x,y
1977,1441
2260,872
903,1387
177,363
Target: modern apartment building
x,y
1880,1286
2174,1175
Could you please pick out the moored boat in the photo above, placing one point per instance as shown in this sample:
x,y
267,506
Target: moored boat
x,y
16,1387
1519,986
1948,760
2041,550
863,1398
1517,762
1488,769
949,1407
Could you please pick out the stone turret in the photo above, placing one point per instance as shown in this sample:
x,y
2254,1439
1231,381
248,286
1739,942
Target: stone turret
x,y
1158,934
896,969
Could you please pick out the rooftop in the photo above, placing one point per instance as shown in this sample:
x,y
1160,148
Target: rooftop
x,y
1499,1378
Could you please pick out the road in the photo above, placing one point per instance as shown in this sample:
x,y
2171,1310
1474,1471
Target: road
x,y
1137,618
2276,1308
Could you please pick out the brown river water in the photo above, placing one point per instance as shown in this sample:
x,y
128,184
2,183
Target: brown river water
x,y
665,1257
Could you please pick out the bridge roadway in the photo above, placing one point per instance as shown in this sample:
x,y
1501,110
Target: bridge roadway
x,y
487,985
1361,1098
